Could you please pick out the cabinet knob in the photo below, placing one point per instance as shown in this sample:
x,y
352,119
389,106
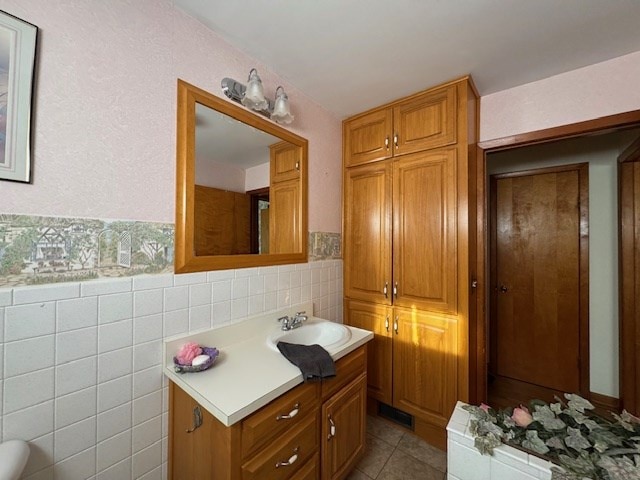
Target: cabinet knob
x,y
386,143
386,323
395,325
291,414
291,461
395,140
395,290
385,290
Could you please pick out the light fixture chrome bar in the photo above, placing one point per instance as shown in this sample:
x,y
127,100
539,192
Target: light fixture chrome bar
x,y
235,91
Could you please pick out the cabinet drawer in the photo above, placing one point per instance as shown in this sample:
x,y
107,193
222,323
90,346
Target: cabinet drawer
x,y
310,471
270,421
302,443
347,368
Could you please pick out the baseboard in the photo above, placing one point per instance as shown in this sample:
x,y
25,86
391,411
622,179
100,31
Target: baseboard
x,y
605,404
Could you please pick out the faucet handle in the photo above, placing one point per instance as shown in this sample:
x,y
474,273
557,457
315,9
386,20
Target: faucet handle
x,y
300,313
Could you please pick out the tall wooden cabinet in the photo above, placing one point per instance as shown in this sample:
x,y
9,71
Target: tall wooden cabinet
x,y
409,175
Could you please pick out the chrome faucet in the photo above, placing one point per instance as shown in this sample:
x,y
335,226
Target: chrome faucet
x,y
295,322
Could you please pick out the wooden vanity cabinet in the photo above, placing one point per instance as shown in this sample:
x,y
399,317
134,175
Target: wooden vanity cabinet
x,y
286,439
408,252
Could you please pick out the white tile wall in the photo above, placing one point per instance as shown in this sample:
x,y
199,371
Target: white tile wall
x,y
80,363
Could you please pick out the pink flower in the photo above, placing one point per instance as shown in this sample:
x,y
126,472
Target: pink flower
x,y
188,352
484,407
521,416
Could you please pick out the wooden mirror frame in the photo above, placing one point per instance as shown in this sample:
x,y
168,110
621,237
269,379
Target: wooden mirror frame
x,y
185,259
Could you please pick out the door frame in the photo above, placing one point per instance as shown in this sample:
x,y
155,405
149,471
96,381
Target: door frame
x,y
478,325
582,170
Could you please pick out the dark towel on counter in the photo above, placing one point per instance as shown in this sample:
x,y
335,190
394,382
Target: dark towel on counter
x,y
313,361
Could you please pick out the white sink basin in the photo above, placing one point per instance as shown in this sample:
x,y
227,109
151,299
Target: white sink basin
x,y
327,334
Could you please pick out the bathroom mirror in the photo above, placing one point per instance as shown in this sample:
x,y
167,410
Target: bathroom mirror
x,y
241,192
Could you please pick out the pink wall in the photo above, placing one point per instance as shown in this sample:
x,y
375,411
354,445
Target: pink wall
x,y
104,121
591,92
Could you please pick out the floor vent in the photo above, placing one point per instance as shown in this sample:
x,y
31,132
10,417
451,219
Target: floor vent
x,y
395,415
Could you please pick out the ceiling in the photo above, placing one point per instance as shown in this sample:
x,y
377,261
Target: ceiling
x,y
352,55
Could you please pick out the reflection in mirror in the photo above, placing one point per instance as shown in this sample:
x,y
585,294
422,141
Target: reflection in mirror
x,y
241,187
231,185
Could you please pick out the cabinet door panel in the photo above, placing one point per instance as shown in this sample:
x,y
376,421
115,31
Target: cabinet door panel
x,y
425,359
376,318
285,217
367,232
368,138
424,238
285,162
426,121
343,429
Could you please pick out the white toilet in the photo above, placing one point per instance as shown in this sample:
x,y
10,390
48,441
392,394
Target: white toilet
x,y
13,458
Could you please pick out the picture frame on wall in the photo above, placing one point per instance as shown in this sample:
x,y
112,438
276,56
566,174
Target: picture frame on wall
x,y
18,40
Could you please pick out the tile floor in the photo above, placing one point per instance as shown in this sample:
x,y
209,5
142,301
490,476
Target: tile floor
x,y
394,453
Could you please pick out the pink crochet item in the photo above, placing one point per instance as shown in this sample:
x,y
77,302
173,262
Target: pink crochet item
x,y
188,352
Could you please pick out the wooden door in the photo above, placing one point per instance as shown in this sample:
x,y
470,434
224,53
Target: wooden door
x,y
367,138
285,217
425,365
539,308
343,430
424,231
425,121
378,319
367,232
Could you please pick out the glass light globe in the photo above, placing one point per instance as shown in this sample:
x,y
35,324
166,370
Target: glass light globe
x,y
254,94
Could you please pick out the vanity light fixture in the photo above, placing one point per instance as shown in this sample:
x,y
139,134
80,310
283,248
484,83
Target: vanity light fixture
x,y
254,93
252,97
281,110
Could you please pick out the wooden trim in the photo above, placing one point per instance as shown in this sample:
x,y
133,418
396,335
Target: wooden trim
x,y
601,125
605,404
185,259
629,276
631,153
598,125
466,78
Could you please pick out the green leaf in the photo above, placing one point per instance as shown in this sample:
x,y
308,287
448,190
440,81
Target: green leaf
x,y
535,443
575,439
576,402
547,418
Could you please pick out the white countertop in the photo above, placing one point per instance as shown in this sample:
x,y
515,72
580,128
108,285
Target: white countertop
x,y
248,373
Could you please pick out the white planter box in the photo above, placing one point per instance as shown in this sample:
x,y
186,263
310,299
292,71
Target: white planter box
x,y
464,462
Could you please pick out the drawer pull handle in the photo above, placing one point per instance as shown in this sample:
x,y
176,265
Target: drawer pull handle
x,y
291,461
332,429
197,419
291,414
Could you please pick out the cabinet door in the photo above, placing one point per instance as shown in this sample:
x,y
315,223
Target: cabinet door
x,y
343,430
378,319
192,452
424,362
285,162
285,217
424,235
368,138
367,232
425,121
